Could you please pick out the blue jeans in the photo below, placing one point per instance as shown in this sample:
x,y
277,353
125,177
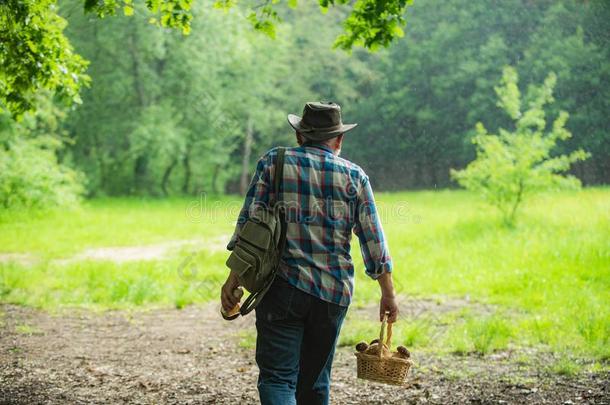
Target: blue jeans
x,y
295,345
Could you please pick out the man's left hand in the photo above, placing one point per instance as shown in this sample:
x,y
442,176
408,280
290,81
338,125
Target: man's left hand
x,y
388,305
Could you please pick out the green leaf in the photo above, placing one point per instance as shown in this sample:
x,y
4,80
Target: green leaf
x,y
398,32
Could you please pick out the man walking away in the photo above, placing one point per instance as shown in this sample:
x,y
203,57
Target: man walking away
x,y
326,198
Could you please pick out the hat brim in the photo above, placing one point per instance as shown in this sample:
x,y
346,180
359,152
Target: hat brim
x,y
295,122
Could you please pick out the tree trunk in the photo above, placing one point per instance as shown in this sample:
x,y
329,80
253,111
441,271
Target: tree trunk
x,y
140,172
186,164
245,163
98,152
215,178
166,174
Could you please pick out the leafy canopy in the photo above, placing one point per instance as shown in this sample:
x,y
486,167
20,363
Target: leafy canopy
x,y
511,165
35,54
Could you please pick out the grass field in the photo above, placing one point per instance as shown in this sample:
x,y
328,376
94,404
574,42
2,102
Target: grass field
x,y
543,284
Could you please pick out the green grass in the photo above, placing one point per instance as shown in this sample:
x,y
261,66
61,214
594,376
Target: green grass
x,y
547,280
552,270
480,335
565,366
177,282
116,222
414,333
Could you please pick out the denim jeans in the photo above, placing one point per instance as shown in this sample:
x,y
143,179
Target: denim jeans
x,y
295,344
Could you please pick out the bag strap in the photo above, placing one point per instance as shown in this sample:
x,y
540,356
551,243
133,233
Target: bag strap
x,y
253,299
278,174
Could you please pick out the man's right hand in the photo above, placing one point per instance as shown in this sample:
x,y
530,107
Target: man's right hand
x,y
388,304
228,300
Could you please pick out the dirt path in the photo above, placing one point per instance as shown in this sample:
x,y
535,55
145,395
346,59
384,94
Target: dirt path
x,y
156,251
121,254
192,356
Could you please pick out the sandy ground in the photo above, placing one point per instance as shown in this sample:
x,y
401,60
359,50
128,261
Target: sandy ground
x,y
192,356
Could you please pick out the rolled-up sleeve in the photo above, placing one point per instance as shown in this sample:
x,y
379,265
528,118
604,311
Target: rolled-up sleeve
x,y
373,244
257,195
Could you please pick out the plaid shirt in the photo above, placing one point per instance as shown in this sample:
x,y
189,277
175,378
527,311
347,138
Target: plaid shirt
x,y
326,197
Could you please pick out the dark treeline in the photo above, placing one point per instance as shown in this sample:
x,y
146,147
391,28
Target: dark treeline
x,y
439,81
168,114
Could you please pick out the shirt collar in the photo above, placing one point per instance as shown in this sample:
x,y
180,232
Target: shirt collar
x,y
319,146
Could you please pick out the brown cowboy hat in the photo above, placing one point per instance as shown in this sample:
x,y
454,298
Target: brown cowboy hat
x,y
320,121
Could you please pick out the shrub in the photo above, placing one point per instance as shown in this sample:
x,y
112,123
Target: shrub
x,y
511,165
31,176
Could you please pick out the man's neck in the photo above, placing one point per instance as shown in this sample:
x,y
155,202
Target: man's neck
x,y
321,145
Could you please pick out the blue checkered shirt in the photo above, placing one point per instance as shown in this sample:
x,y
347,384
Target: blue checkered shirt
x,y
326,198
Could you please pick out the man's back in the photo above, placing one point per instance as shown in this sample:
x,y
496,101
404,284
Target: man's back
x,y
326,198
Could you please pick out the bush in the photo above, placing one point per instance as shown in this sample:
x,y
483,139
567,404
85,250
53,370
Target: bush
x,y
511,165
31,176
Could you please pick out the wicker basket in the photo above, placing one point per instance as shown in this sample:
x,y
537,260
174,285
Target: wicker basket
x,y
379,368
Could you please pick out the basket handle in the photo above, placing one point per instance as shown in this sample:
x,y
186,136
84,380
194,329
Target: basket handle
x,y
383,339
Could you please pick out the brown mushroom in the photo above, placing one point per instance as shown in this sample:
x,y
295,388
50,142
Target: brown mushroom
x,y
362,346
376,347
373,349
374,341
403,351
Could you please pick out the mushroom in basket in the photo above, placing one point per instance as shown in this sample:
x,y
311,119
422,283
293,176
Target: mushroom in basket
x,y
376,362
373,348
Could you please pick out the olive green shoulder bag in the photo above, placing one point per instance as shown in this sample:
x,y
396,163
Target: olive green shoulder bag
x,y
260,243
